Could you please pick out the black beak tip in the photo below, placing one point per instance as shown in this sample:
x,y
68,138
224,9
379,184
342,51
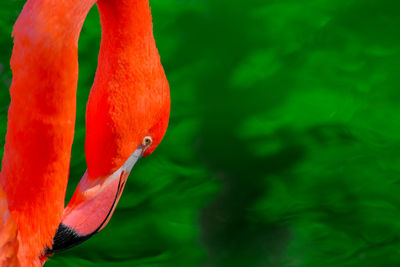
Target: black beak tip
x,y
65,238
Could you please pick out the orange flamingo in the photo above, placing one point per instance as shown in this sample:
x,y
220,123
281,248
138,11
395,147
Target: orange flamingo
x,y
126,118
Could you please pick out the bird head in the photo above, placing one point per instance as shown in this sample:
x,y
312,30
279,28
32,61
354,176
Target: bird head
x,y
126,118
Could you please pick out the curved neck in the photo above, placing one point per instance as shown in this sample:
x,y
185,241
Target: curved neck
x,y
41,116
41,119
129,67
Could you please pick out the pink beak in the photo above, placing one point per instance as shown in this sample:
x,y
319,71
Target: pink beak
x,y
92,205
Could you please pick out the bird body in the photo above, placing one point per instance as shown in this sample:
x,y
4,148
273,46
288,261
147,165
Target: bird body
x,y
129,102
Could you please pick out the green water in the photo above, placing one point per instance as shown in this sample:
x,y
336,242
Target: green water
x,y
283,144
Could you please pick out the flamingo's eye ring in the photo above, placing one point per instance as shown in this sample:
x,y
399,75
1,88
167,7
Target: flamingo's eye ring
x,y
147,141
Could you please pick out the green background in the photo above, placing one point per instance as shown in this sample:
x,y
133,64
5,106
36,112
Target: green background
x,y
283,143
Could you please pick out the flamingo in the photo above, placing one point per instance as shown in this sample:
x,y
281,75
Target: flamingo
x,y
126,118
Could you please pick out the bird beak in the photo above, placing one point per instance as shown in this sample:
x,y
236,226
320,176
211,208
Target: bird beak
x,y
92,205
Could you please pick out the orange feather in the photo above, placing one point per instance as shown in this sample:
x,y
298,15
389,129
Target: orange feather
x,y
41,120
129,100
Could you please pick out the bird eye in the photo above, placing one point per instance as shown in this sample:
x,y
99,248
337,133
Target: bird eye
x,y
147,141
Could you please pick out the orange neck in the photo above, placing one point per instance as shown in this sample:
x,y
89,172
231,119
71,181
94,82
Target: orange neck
x,y
41,119
129,86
